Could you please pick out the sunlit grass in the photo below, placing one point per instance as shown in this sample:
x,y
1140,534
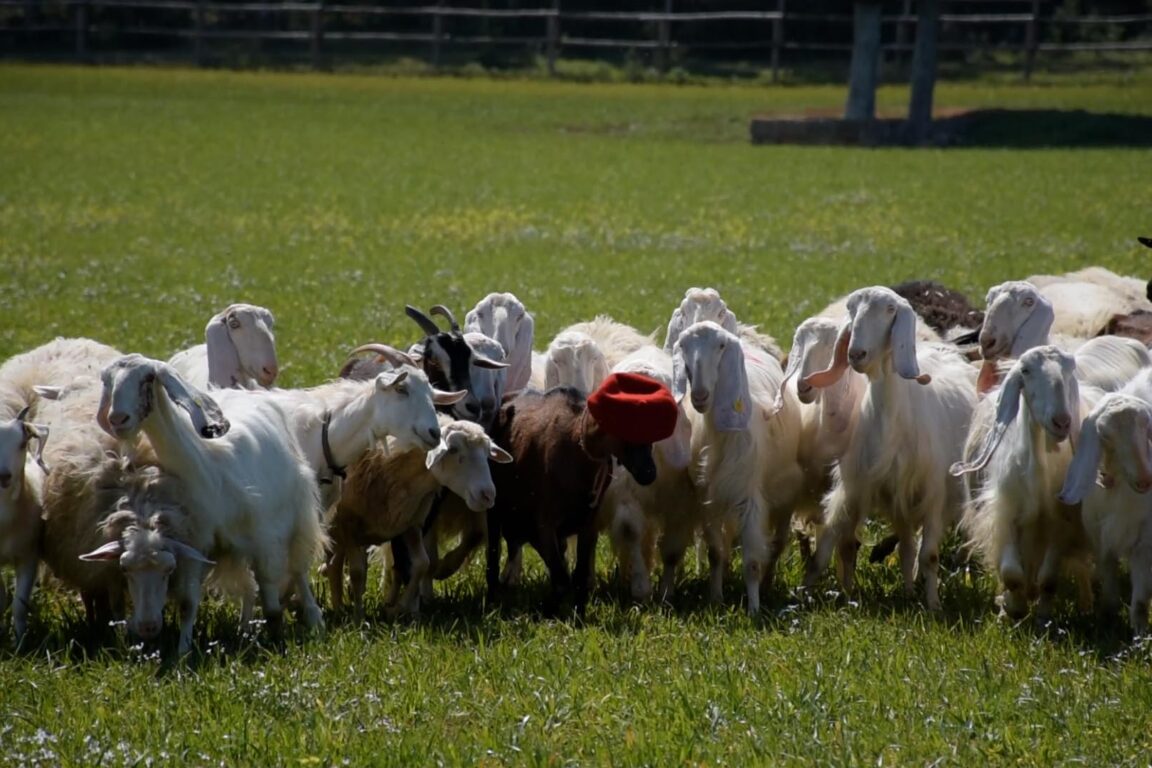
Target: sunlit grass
x,y
135,203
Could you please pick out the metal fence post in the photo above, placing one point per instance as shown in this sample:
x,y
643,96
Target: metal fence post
x,y
664,34
318,35
437,33
1031,40
553,37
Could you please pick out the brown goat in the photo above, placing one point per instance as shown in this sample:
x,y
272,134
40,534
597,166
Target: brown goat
x,y
562,462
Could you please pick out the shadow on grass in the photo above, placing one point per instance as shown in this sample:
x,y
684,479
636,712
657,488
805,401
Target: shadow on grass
x,y
1037,128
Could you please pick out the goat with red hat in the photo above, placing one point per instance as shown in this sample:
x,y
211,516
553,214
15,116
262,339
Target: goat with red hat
x,y
564,448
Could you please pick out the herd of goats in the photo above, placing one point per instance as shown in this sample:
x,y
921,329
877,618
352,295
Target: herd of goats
x,y
1028,425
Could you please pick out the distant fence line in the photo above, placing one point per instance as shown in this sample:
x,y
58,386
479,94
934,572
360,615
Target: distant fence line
x,y
312,23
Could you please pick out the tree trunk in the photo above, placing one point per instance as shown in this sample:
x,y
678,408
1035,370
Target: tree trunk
x,y
924,71
865,72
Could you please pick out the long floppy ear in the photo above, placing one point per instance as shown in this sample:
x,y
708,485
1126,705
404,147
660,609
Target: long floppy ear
x,y
551,372
675,328
521,354
728,322
498,454
110,551
839,365
39,433
677,449
223,359
903,340
988,378
1033,332
732,410
795,361
1081,475
1074,410
206,415
1006,409
102,410
679,374
180,549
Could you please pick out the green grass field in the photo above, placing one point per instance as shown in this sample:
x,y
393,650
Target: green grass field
x,y
135,203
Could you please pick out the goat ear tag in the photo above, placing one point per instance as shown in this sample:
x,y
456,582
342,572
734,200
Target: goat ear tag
x,y
738,406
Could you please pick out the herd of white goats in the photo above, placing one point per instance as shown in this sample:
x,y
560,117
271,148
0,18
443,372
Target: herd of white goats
x,y
133,478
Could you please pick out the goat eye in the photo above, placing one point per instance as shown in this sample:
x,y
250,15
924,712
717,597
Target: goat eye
x,y
402,389
891,308
1026,371
1029,301
233,323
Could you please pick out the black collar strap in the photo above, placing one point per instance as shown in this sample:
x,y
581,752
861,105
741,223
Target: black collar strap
x,y
335,470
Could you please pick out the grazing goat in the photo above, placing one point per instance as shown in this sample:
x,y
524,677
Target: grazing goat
x,y
445,356
1110,476
907,436
501,316
240,351
389,494
251,497
745,457
1014,520
700,304
56,364
563,448
22,472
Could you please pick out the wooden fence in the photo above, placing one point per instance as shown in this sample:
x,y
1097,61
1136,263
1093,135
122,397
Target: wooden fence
x,y
314,27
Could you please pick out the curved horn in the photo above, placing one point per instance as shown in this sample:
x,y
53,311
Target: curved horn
x,y
22,416
391,354
426,323
440,309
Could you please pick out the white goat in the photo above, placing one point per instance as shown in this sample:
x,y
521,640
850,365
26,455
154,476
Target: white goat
x,y
21,486
636,515
575,360
1085,300
745,458
1111,475
907,436
388,495
1019,317
501,316
252,497
701,304
1014,520
240,351
57,364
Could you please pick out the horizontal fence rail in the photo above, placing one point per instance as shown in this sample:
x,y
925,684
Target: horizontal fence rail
x,y
317,24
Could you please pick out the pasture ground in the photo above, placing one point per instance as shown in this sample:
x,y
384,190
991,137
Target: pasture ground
x,y
134,203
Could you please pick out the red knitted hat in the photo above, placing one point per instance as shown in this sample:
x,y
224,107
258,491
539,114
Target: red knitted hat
x,y
634,408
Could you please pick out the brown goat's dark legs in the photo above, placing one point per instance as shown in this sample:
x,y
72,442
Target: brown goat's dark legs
x,y
585,566
492,557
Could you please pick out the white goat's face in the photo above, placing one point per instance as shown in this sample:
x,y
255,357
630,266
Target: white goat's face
x,y
13,451
404,406
575,360
702,348
148,567
814,342
460,464
873,314
1010,305
498,316
250,329
128,396
1126,444
1049,388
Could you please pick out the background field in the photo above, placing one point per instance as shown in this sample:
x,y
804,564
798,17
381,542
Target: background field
x,y
134,204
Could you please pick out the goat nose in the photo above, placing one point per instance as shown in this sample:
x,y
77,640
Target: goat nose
x,y
1062,421
117,419
434,433
5,479
987,342
148,629
488,496
856,355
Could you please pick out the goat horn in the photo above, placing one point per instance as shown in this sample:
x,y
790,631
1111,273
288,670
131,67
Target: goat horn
x,y
440,309
22,416
391,354
426,323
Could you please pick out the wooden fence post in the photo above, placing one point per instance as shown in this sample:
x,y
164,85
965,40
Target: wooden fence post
x,y
198,33
777,40
1031,40
318,36
82,30
664,35
437,33
553,37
